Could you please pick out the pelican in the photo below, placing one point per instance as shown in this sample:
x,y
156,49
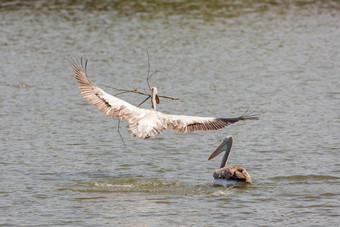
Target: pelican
x,y
145,123
228,172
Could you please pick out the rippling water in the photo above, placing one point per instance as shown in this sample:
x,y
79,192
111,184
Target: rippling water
x,y
63,163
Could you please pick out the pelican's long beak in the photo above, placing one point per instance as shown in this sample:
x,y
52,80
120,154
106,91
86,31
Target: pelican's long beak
x,y
224,146
157,99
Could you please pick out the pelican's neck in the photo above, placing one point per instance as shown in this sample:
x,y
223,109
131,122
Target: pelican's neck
x,y
153,98
227,152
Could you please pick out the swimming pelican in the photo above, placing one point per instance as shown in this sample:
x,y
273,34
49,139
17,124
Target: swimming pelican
x,y
145,123
228,172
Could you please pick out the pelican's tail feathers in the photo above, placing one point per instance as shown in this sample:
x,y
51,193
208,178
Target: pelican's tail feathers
x,y
135,130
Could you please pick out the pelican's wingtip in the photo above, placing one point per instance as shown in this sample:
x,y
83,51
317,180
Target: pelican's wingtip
x,y
249,115
79,65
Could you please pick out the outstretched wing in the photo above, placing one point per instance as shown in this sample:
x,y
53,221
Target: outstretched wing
x,y
181,123
107,103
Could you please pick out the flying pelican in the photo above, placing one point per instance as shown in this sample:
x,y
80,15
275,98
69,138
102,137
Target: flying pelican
x,y
145,123
228,172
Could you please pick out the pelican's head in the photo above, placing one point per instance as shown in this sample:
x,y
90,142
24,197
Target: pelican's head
x,y
224,146
154,97
154,94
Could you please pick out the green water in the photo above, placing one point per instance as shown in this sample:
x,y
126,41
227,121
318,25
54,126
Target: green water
x,y
62,161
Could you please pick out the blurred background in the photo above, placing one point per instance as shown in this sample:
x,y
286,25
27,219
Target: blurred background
x,y
62,161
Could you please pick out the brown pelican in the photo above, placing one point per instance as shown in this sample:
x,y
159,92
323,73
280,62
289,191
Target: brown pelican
x,y
143,122
228,172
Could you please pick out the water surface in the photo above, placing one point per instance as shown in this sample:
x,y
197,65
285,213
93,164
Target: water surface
x,y
63,163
